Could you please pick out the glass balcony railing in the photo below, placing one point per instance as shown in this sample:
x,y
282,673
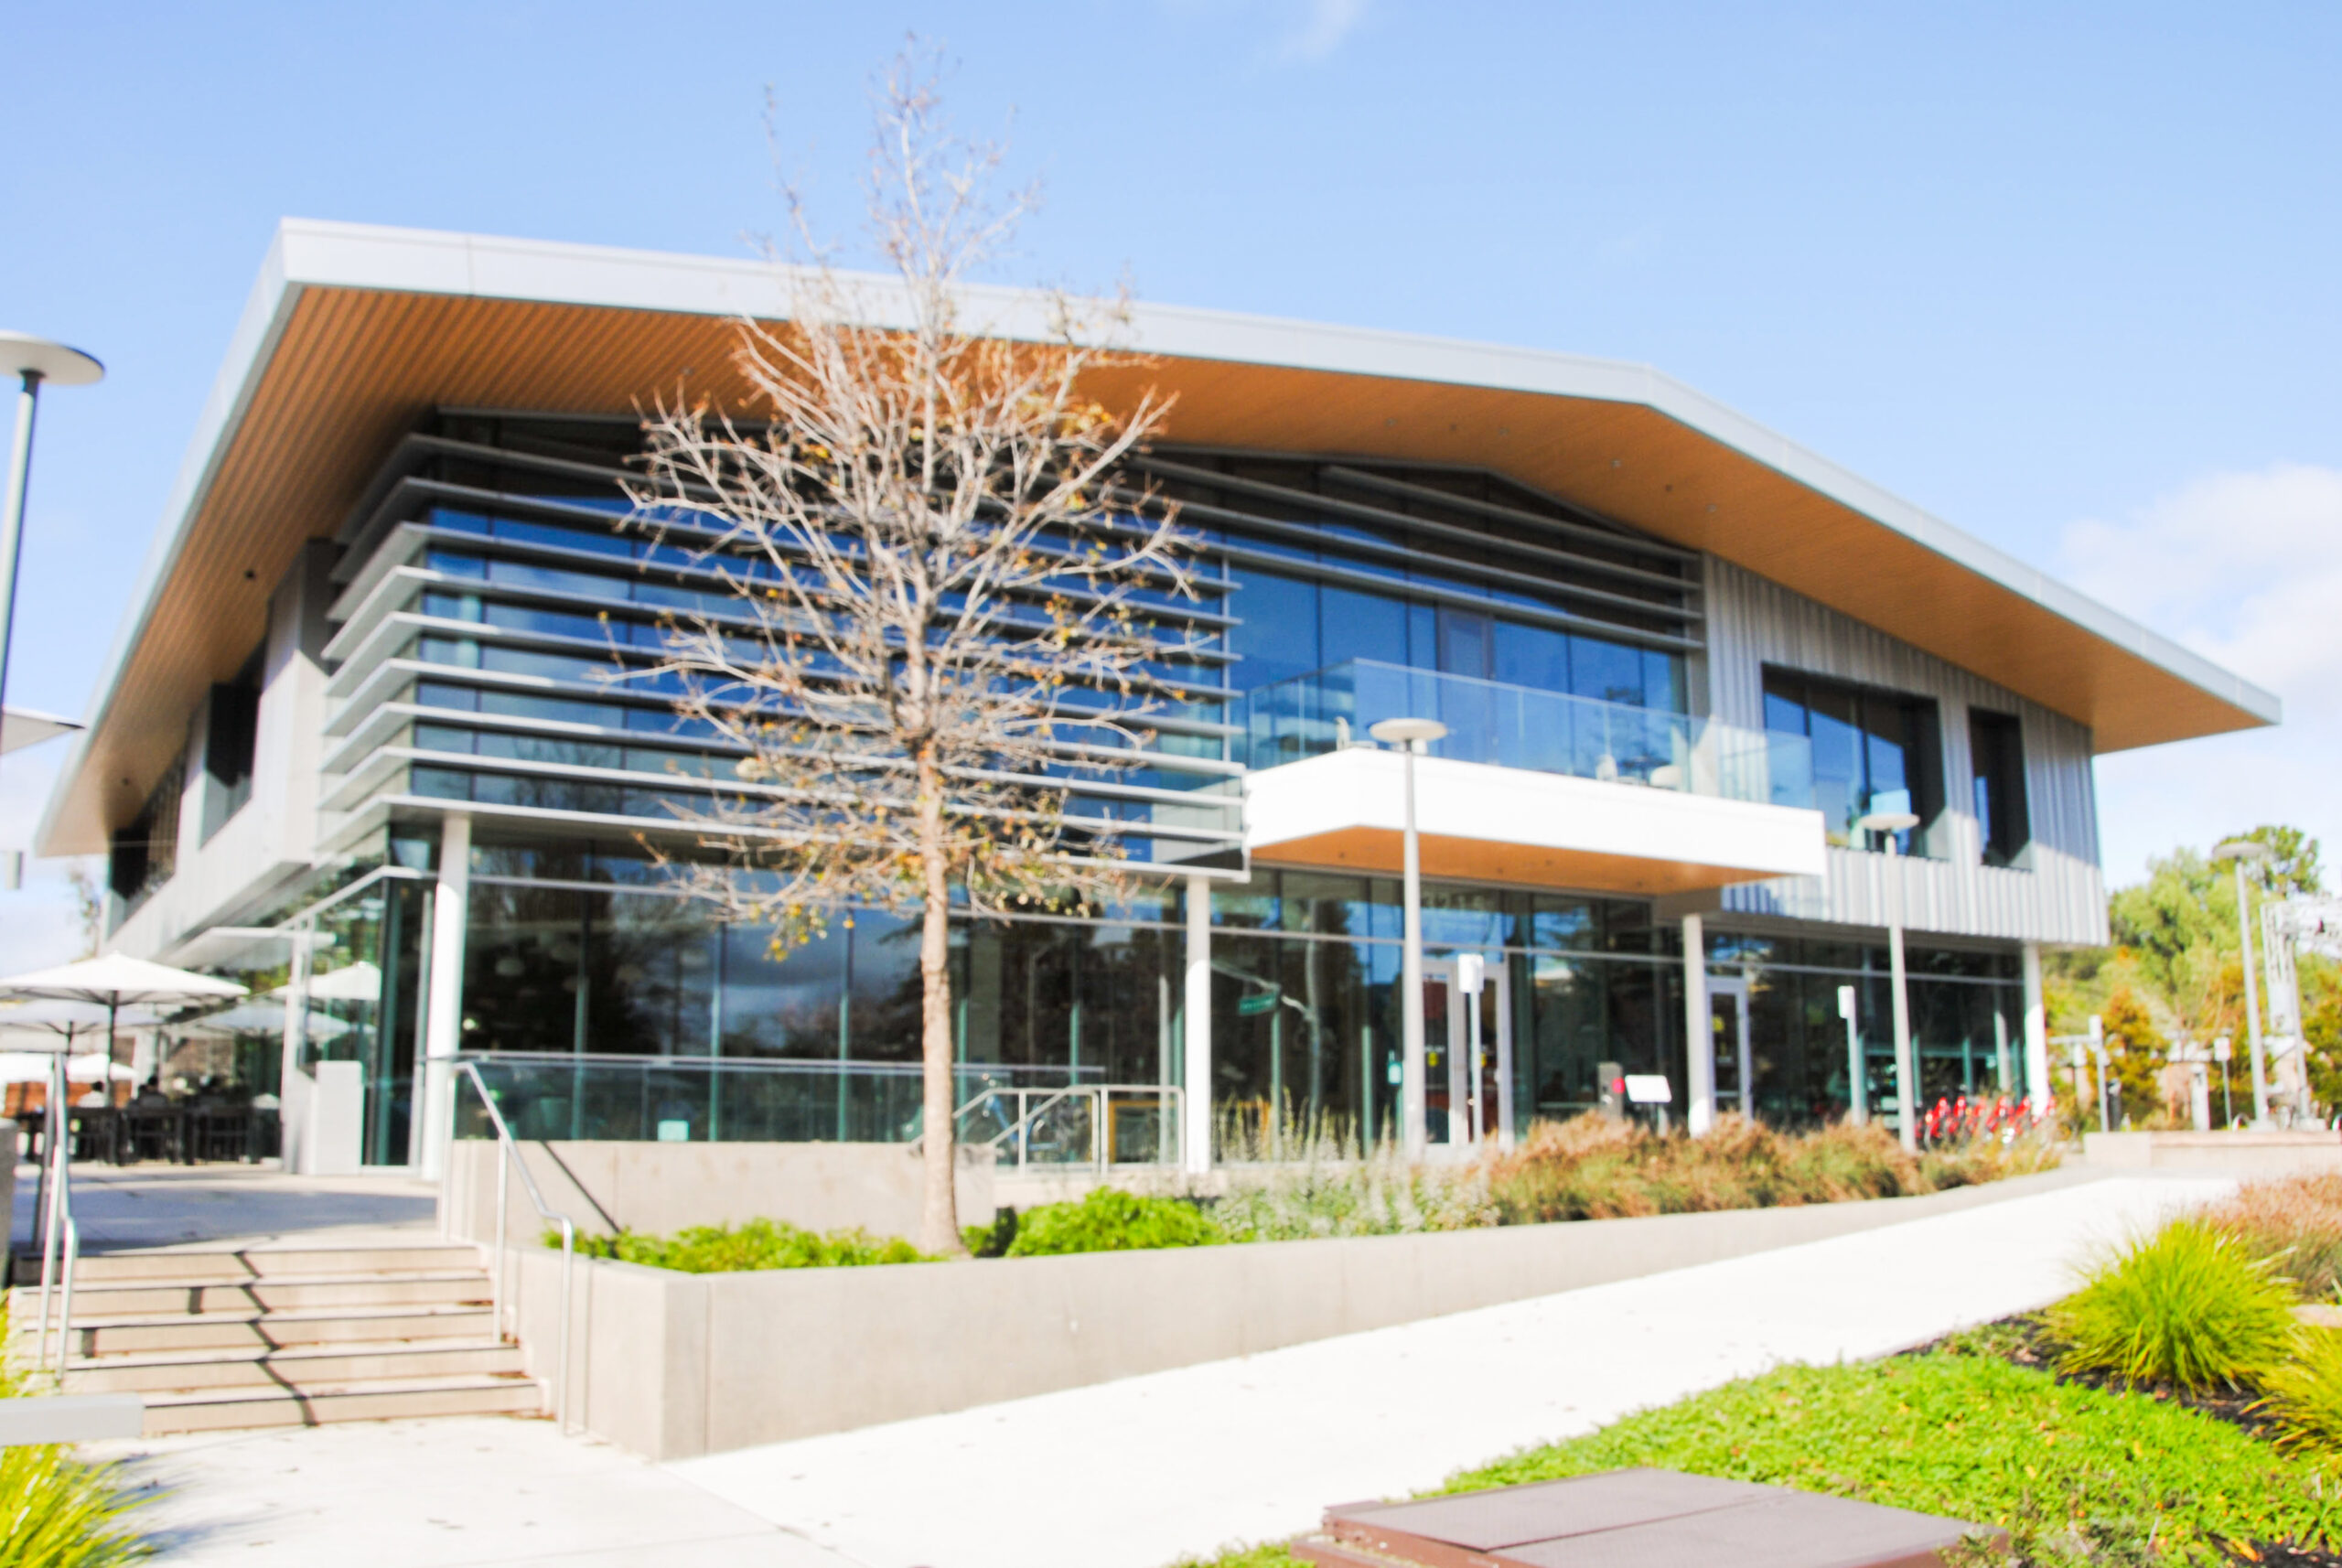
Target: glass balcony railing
x,y
1520,726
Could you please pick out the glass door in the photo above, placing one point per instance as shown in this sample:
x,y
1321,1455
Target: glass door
x,y
1468,1076
1736,1084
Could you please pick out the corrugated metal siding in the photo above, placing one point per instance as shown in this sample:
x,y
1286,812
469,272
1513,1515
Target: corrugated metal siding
x,y
2059,896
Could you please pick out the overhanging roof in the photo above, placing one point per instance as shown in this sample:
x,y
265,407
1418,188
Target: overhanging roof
x,y
352,334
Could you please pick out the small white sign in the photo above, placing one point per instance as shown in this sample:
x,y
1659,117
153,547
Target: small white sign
x,y
674,1131
1846,1002
1649,1089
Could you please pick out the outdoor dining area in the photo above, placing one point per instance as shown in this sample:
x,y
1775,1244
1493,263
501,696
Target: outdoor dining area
x,y
71,1096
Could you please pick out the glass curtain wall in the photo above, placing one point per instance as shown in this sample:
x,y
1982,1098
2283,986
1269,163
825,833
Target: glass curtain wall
x,y
1967,1022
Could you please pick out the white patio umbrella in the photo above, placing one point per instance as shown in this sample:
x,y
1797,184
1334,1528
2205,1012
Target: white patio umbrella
x,y
261,1017
35,1067
113,982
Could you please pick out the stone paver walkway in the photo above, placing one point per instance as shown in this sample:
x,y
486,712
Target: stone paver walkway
x,y
1137,1473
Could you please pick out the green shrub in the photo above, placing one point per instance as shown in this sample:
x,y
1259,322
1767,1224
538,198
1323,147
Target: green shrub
x,y
752,1244
991,1240
2187,1306
2302,1396
1109,1220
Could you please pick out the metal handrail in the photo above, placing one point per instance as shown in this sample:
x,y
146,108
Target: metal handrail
x,y
65,1309
509,1155
1098,1094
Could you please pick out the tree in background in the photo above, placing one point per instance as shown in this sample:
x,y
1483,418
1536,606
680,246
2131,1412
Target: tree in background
x,y
2136,1053
944,609
2175,952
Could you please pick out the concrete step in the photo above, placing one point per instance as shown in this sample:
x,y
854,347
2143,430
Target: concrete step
x,y
184,1372
94,1300
313,1404
228,1265
263,1328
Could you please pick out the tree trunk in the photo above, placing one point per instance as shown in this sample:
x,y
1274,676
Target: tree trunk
x,y
939,1208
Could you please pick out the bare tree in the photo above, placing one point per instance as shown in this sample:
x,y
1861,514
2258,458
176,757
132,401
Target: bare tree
x,y
945,611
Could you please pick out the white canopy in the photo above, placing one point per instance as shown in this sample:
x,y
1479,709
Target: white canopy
x,y
117,980
33,1067
46,1026
359,981
21,728
261,1017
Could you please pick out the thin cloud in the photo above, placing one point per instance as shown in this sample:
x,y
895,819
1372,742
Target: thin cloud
x,y
2246,569
1323,28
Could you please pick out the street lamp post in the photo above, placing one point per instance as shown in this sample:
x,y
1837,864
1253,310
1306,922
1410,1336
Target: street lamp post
x,y
34,360
1410,735
2237,852
1907,1073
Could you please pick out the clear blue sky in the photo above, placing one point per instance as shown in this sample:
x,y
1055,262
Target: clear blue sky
x,y
2065,277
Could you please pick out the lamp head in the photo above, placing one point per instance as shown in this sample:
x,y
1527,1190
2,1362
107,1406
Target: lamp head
x,y
2242,849
1888,823
25,354
1403,732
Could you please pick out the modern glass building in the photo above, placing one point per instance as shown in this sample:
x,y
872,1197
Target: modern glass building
x,y
360,740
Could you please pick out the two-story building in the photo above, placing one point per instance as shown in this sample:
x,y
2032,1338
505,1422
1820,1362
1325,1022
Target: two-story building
x,y
357,738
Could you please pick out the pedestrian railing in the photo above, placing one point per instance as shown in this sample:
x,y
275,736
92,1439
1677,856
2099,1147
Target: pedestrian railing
x,y
508,1157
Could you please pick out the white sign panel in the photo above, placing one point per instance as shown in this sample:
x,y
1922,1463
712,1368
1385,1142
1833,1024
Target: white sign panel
x,y
1649,1089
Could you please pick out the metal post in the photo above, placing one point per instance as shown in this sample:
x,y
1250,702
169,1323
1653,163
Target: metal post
x,y
12,513
1411,972
53,1161
2252,1003
1699,1032
503,1233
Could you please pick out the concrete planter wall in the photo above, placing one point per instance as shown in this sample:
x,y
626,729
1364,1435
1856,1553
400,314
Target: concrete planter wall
x,y
662,1187
674,1365
2230,1154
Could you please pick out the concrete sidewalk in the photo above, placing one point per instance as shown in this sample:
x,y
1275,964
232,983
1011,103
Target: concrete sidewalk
x,y
155,1205
1134,1474
1131,1473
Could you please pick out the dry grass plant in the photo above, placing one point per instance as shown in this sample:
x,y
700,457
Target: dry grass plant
x,y
1594,1168
2295,1223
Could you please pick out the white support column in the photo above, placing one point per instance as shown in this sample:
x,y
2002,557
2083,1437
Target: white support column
x,y
1907,1073
444,1010
1699,1032
293,1095
2036,1029
1195,1095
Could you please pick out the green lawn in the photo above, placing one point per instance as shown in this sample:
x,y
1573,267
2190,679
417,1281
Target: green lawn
x,y
1969,1435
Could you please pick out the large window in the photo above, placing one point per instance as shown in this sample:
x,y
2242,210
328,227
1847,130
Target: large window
x,y
1290,626
1996,758
1868,751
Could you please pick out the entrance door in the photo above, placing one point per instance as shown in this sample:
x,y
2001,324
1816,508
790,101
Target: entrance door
x,y
1467,1050
1734,1078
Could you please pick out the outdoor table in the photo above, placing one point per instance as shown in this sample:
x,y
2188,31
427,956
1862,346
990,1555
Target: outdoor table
x,y
1633,1519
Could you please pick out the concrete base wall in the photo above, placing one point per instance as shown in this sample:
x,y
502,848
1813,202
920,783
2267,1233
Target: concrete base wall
x,y
2230,1154
662,1187
673,1365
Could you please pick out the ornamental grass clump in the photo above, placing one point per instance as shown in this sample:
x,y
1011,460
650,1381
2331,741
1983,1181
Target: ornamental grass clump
x,y
57,1512
753,1244
2296,1223
1109,1220
2188,1306
2302,1398
1593,1167
1314,1179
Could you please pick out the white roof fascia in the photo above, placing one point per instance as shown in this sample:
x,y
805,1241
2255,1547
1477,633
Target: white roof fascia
x,y
363,256
311,252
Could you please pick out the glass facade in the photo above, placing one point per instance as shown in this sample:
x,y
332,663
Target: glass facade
x,y
494,595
